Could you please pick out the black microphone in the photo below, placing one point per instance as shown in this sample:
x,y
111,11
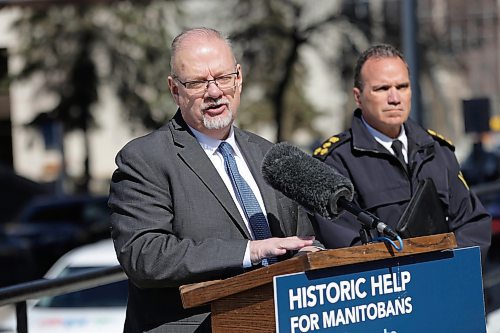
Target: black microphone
x,y
315,185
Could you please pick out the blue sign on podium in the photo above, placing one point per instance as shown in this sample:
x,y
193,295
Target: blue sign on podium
x,y
432,292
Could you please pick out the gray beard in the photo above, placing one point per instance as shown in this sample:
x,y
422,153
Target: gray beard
x,y
219,122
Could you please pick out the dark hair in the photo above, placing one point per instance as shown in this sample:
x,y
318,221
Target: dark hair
x,y
375,51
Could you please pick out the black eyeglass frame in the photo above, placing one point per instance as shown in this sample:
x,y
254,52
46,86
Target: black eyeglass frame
x,y
207,82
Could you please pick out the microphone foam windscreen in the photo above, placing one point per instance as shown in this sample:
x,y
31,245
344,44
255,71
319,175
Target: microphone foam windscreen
x,y
305,179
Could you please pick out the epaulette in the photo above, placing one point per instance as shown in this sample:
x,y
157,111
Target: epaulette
x,y
330,144
441,139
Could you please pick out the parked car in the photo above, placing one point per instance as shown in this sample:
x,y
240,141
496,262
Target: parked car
x,y
16,191
492,322
16,259
96,310
52,225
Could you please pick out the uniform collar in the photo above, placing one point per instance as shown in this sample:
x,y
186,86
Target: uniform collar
x,y
383,139
363,140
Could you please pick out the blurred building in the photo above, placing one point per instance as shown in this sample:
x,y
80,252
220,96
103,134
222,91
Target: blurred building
x,y
468,34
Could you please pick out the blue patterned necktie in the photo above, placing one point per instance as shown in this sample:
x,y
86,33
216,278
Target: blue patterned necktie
x,y
246,198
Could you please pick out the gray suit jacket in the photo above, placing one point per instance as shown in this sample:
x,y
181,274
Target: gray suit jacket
x,y
174,222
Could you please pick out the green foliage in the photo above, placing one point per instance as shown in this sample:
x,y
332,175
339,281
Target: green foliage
x,y
77,48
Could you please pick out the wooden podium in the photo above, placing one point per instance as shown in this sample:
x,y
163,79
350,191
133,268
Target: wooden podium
x,y
238,301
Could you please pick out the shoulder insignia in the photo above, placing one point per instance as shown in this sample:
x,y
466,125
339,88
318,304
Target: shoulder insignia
x,y
462,178
328,145
441,138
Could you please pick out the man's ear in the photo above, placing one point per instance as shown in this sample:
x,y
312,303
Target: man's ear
x,y
174,89
240,77
357,96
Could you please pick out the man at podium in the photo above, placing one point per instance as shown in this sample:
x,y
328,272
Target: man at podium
x,y
188,201
386,155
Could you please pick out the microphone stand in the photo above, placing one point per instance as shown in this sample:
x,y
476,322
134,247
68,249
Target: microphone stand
x,y
365,235
368,221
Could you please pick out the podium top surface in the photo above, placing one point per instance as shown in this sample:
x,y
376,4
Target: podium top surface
x,y
205,292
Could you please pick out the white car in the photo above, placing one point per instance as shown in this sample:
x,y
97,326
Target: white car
x,y
493,322
95,310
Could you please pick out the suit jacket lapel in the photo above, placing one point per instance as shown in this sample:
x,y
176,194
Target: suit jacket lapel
x,y
196,159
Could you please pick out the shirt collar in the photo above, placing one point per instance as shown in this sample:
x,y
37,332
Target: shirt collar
x,y
210,145
383,139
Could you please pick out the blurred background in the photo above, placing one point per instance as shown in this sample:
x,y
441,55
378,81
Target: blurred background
x,y
79,79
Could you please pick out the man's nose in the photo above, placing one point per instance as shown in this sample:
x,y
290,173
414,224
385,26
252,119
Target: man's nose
x,y
213,90
393,97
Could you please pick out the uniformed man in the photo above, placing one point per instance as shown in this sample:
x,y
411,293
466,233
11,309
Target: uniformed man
x,y
385,155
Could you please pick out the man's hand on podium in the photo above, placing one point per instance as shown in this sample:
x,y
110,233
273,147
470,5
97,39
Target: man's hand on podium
x,y
273,247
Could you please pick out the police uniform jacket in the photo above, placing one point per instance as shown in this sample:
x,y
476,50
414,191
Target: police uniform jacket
x,y
384,188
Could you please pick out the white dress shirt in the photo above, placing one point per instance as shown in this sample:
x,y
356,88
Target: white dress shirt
x,y
210,146
386,141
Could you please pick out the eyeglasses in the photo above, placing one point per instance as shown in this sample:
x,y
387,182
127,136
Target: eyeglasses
x,y
223,82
